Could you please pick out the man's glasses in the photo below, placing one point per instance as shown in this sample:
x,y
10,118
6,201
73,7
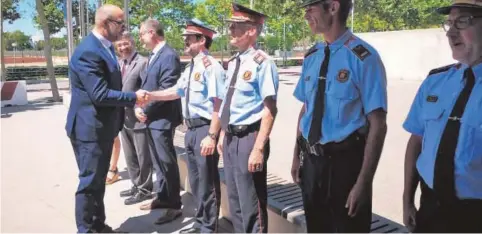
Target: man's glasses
x,y
460,23
120,23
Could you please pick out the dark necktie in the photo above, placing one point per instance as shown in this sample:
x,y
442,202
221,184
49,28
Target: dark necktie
x,y
444,181
315,129
124,67
112,51
225,115
188,90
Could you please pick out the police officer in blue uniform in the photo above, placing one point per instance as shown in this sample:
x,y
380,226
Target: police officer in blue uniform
x,y
247,117
444,153
200,88
342,123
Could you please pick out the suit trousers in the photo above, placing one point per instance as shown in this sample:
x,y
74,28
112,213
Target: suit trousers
x,y
93,158
247,192
326,182
164,159
138,158
204,180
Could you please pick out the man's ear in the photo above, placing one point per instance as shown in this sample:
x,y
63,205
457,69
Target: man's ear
x,y
335,7
252,31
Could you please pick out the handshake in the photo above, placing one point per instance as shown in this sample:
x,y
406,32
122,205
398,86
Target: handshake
x,y
143,97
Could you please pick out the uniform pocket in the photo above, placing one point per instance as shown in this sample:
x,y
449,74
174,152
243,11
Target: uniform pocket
x,y
344,91
473,123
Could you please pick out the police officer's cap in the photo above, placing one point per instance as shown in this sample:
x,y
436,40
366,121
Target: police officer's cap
x,y
475,4
197,27
306,3
246,15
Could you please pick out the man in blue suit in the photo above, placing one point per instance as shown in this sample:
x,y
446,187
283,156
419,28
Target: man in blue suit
x,y
96,114
162,117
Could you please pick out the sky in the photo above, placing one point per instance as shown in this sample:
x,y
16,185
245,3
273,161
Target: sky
x,y
25,24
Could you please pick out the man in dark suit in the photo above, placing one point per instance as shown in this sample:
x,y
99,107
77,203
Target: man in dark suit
x,y
134,134
162,117
96,114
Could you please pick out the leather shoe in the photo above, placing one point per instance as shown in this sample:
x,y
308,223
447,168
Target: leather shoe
x,y
138,197
170,215
191,230
155,204
129,192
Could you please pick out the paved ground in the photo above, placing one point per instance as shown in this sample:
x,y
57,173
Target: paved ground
x,y
38,169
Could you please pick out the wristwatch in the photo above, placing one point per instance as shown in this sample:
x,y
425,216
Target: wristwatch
x,y
212,135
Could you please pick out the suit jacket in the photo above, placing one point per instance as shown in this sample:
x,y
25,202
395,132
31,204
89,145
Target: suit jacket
x,y
96,109
161,73
132,82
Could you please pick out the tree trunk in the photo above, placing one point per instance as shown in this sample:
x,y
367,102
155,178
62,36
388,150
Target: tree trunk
x,y
3,74
48,50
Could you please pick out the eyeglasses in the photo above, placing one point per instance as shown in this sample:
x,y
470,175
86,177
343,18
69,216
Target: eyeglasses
x,y
120,23
460,23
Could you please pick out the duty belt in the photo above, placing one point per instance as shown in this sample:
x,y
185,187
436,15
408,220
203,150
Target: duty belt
x,y
238,130
197,122
319,149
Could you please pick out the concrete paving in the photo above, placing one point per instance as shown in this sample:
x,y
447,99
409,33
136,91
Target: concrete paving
x,y
39,173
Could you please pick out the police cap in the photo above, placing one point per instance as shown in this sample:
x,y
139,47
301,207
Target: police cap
x,y
476,4
246,15
197,27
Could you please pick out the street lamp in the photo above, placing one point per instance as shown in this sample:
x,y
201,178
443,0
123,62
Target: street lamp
x,y
14,45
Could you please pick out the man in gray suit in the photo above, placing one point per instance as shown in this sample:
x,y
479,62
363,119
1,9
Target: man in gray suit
x,y
133,135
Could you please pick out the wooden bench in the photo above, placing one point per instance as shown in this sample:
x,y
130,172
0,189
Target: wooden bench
x,y
285,205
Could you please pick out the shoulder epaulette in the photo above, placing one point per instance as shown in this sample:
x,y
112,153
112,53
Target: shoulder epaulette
x,y
351,39
443,69
259,57
361,52
312,50
206,61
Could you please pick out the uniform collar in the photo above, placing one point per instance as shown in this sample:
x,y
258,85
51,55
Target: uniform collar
x,y
478,72
246,53
201,55
340,41
106,43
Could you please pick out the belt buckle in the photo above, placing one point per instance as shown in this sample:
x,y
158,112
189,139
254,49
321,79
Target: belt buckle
x,y
314,151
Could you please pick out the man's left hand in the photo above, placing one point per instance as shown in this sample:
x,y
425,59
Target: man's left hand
x,y
207,146
256,161
358,198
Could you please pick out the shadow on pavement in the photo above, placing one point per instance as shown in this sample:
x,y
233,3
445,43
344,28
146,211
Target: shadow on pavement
x,y
32,106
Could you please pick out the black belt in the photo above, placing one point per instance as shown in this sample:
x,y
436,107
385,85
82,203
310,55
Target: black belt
x,y
197,122
319,149
239,130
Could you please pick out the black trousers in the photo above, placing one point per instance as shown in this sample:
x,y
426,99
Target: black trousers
x,y
461,216
247,192
204,180
326,182
138,158
164,159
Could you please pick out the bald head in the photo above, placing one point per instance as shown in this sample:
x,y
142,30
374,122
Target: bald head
x,y
109,22
106,12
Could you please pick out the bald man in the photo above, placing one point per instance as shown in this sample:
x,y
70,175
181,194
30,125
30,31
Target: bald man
x,y
96,114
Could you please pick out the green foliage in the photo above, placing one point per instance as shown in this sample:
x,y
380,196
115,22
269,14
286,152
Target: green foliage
x,y
9,10
22,40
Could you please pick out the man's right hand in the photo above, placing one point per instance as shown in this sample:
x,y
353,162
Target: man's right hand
x,y
141,116
142,97
409,216
295,168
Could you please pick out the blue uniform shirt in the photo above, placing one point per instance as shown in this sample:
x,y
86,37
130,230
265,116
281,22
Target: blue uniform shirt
x,y
207,83
428,116
355,86
257,79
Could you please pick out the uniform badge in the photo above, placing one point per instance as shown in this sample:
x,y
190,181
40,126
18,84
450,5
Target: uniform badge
x,y
432,98
247,75
197,76
343,76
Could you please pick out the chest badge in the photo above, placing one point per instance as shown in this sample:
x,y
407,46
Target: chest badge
x,y
432,98
197,76
343,76
247,75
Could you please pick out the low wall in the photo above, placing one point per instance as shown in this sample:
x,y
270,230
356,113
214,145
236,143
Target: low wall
x,y
411,54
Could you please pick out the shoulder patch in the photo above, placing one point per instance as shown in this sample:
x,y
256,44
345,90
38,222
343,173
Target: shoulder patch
x,y
311,51
361,52
206,61
443,69
259,57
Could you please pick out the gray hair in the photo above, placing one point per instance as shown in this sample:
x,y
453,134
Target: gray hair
x,y
127,36
154,25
